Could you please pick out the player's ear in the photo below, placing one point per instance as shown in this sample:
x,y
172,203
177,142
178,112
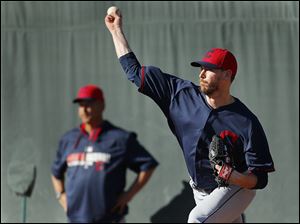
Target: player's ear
x,y
227,74
102,105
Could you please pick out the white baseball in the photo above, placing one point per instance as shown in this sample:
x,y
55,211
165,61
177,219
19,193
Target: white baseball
x,y
113,9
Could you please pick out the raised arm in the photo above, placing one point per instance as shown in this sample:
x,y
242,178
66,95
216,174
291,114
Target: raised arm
x,y
150,80
113,23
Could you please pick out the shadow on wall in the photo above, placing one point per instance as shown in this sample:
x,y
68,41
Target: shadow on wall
x,y
177,211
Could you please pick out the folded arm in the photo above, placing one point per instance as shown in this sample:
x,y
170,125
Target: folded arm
x,y
141,179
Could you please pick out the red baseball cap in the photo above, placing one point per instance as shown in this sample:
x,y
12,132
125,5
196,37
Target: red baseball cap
x,y
89,92
218,58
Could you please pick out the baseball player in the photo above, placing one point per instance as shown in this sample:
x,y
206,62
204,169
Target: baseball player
x,y
197,113
89,171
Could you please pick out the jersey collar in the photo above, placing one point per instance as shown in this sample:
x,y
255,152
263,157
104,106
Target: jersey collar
x,y
94,134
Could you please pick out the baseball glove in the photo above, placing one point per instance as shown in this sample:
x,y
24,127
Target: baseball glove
x,y
220,154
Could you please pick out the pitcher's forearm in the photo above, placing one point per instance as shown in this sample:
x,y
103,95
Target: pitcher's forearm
x,y
120,42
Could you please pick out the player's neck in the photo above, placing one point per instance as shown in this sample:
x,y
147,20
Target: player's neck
x,y
92,125
219,100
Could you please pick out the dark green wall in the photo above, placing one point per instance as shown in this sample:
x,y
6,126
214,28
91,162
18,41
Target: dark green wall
x,y
50,49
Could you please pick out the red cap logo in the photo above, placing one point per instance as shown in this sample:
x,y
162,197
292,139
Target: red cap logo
x,y
218,58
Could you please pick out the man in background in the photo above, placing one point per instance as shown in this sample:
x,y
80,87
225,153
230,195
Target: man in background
x,y
89,171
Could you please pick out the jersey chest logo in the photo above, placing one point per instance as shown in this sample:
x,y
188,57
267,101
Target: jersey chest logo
x,y
88,158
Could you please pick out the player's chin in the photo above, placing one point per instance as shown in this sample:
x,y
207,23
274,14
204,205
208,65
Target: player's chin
x,y
203,88
207,91
86,120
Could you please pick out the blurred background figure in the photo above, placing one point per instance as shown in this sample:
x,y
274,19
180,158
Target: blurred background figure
x,y
95,157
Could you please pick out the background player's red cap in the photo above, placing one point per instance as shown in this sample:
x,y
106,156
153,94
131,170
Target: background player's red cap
x,y
89,92
218,58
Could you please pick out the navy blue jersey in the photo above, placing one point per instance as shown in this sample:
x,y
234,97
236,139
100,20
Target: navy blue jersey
x,y
95,168
194,122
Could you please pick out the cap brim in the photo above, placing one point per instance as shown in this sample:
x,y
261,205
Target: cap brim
x,y
77,100
204,64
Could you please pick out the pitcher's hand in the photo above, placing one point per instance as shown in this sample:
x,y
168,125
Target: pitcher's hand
x,y
113,22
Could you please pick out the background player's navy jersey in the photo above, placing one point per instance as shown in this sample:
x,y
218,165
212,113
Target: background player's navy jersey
x,y
194,122
95,169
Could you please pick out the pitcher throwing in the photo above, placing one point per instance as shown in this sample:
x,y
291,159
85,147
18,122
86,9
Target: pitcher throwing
x,y
197,113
